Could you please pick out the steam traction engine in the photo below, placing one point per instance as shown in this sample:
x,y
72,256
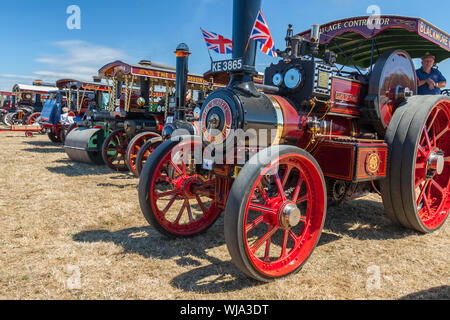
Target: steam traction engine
x,y
332,135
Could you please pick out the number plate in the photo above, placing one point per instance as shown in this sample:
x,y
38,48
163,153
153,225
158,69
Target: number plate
x,y
227,65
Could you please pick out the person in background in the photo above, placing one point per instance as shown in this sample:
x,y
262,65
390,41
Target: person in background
x,y
65,118
430,80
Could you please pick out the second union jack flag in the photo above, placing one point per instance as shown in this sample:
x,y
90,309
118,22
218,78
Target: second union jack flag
x,y
261,33
217,43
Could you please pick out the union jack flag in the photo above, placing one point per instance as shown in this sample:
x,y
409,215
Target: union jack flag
x,y
261,33
217,43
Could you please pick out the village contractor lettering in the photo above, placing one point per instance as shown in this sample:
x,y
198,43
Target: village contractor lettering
x,y
350,24
228,309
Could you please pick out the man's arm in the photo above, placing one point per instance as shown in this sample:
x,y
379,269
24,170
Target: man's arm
x,y
442,82
431,84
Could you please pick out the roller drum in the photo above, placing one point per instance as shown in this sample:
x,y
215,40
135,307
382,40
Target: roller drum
x,y
84,145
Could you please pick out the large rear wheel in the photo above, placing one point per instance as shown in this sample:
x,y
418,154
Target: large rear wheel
x,y
275,212
416,189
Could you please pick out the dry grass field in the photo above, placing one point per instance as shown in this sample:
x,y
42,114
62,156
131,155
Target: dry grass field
x,y
74,231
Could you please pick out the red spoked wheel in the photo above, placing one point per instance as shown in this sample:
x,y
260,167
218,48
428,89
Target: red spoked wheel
x,y
135,145
418,181
33,118
114,150
175,198
275,212
145,151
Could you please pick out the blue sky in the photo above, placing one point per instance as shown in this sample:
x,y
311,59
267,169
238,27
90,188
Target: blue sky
x,y
36,44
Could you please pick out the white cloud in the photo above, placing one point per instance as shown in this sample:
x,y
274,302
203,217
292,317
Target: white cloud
x,y
78,59
7,81
15,76
75,59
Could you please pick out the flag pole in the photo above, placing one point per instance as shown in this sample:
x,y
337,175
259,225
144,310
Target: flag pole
x,y
209,53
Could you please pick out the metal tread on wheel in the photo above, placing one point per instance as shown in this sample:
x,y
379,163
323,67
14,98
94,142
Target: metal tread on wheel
x,y
415,192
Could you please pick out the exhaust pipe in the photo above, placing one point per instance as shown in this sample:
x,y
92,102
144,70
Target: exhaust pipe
x,y
182,53
179,119
244,16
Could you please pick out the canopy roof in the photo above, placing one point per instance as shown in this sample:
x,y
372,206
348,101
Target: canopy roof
x,y
353,38
34,89
77,84
6,93
159,73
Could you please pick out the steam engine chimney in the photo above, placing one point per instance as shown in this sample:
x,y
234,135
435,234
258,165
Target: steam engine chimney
x,y
182,53
244,16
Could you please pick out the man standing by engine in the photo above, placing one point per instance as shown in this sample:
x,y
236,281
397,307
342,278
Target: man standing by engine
x,y
430,80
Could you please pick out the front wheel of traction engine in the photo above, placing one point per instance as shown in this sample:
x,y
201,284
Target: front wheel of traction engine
x,y
175,199
416,189
275,212
135,146
114,150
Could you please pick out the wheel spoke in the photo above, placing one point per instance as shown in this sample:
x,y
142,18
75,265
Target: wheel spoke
x,y
171,201
284,244
165,194
422,191
188,206
201,204
430,125
302,199
286,175
441,133
297,189
167,179
438,187
180,213
177,169
267,249
422,150
420,165
261,208
254,223
279,184
262,192
427,204
269,234
427,137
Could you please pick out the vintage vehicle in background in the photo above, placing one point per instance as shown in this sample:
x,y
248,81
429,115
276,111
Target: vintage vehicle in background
x,y
130,100
27,102
318,133
141,101
77,96
6,105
